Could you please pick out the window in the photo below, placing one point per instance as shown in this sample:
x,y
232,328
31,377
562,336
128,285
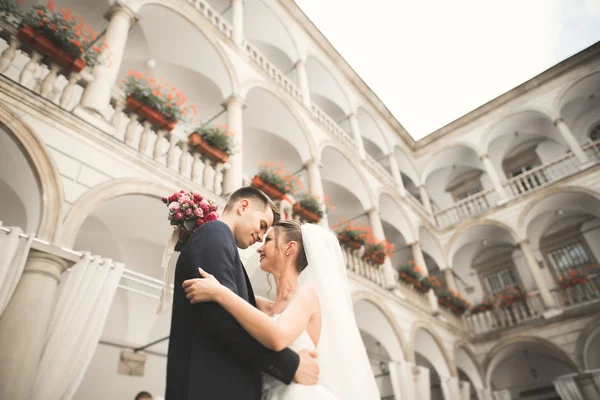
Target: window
x,y
470,192
595,133
571,256
499,280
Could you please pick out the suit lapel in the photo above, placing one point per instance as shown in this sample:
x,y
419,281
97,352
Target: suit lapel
x,y
251,298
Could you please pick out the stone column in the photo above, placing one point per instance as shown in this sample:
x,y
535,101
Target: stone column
x,y
566,133
378,234
539,279
425,199
494,177
315,185
303,83
396,172
355,128
450,280
420,262
237,10
96,95
24,324
233,176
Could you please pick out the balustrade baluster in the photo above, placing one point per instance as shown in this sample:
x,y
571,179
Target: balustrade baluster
x,y
172,153
197,168
206,181
67,94
50,79
159,144
131,129
145,137
218,178
118,114
29,69
9,54
183,160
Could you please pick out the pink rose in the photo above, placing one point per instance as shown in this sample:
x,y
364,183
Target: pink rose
x,y
178,216
199,222
185,198
205,202
199,213
204,208
189,212
174,206
211,216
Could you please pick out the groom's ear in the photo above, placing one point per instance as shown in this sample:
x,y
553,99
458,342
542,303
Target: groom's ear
x,y
243,205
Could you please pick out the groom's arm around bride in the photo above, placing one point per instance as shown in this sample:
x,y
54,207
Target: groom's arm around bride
x,y
210,355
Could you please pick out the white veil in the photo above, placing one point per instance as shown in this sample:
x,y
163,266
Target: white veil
x,y
343,362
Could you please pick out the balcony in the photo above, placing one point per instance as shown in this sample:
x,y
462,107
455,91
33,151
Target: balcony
x,y
569,300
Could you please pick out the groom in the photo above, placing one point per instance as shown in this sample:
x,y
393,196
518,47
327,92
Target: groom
x,y
210,355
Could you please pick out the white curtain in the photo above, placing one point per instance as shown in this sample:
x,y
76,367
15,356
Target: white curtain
x,y
502,395
76,326
465,390
396,377
567,388
423,388
13,255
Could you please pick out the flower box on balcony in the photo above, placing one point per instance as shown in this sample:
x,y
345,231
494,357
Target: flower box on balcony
x,y
270,190
512,295
453,301
349,242
200,144
150,114
377,251
573,277
305,213
486,304
47,47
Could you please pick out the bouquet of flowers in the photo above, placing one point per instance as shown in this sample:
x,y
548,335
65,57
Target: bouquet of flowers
x,y
188,211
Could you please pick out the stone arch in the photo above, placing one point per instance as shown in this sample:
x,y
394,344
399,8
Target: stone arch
x,y
427,170
184,10
505,343
363,295
589,333
561,100
407,230
333,90
52,195
313,150
478,379
425,326
431,245
489,136
371,131
485,222
370,195
86,204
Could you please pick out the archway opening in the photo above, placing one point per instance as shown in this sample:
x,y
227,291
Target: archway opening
x,y
429,355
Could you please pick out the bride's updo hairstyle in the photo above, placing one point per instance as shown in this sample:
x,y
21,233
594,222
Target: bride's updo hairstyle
x,y
291,231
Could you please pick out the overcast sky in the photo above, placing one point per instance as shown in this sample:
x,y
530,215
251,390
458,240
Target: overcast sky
x,y
432,61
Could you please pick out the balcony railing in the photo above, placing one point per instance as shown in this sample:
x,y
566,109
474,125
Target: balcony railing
x,y
213,16
167,149
593,150
542,175
356,264
464,209
532,308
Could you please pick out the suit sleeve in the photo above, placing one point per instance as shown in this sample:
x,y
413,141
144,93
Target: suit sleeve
x,y
211,251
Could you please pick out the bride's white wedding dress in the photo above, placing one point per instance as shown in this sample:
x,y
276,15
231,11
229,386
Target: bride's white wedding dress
x,y
275,390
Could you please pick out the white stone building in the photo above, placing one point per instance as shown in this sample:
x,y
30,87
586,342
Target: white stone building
x,y
508,194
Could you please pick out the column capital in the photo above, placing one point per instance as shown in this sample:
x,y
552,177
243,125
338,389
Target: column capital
x,y
300,63
39,262
312,161
118,7
524,242
372,210
234,99
484,155
558,121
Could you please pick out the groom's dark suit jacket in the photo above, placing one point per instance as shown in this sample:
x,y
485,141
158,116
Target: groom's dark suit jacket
x,y
210,355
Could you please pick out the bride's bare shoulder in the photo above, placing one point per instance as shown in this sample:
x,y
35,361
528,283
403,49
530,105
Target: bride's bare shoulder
x,y
308,295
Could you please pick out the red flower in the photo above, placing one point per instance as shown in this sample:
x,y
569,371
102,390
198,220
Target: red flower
x,y
178,216
199,223
211,216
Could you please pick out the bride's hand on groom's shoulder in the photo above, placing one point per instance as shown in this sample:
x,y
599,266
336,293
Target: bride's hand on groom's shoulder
x,y
202,290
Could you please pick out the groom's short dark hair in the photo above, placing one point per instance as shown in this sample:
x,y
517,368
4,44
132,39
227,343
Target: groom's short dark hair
x,y
254,194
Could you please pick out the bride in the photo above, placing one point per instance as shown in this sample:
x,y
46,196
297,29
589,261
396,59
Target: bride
x,y
312,309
